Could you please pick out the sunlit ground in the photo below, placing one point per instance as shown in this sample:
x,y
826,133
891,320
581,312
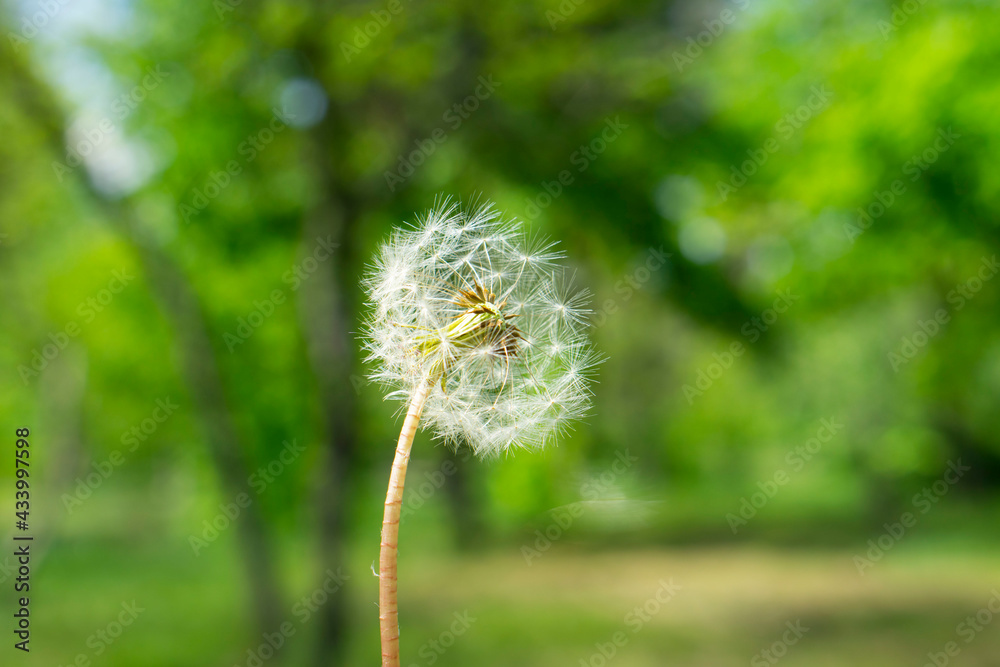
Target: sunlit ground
x,y
566,607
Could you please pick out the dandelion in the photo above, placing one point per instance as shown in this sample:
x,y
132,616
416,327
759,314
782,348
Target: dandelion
x,y
473,327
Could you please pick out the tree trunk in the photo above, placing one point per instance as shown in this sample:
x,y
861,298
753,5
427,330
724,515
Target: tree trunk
x,y
326,324
199,364
201,371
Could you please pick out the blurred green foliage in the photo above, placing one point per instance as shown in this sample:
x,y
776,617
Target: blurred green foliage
x,y
787,158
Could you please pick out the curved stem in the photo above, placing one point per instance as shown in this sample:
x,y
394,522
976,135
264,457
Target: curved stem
x,y
388,611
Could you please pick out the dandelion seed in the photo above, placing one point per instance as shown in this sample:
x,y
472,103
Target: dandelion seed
x,y
467,302
475,329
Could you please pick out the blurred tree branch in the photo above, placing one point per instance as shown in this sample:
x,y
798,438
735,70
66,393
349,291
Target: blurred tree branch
x,y
200,367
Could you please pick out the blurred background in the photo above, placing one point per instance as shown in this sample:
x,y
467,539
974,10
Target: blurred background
x,y
786,213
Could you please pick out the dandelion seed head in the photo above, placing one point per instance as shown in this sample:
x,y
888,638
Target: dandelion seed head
x,y
468,301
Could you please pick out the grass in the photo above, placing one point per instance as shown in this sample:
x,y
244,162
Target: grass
x,y
562,609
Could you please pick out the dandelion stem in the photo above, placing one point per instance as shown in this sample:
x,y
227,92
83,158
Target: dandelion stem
x,y
388,610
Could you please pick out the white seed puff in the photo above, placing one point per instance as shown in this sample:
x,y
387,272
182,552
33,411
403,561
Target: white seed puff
x,y
468,302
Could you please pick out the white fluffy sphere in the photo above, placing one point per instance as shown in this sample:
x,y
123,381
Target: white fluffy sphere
x,y
469,303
